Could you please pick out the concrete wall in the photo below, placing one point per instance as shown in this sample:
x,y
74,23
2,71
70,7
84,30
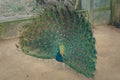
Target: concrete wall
x,y
99,10
11,29
16,7
12,10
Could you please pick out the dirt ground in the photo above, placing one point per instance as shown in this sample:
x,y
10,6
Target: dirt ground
x,y
15,65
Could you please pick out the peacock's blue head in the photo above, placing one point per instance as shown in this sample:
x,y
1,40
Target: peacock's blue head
x,y
58,50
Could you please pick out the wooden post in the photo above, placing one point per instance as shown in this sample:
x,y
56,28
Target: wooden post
x,y
112,10
78,5
115,11
91,12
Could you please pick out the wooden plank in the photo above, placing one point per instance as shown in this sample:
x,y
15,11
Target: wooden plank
x,y
101,9
14,18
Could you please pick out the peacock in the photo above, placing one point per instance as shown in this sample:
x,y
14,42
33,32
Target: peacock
x,y
63,34
60,53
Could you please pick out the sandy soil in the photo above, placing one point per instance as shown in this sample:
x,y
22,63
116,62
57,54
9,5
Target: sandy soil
x,y
15,65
